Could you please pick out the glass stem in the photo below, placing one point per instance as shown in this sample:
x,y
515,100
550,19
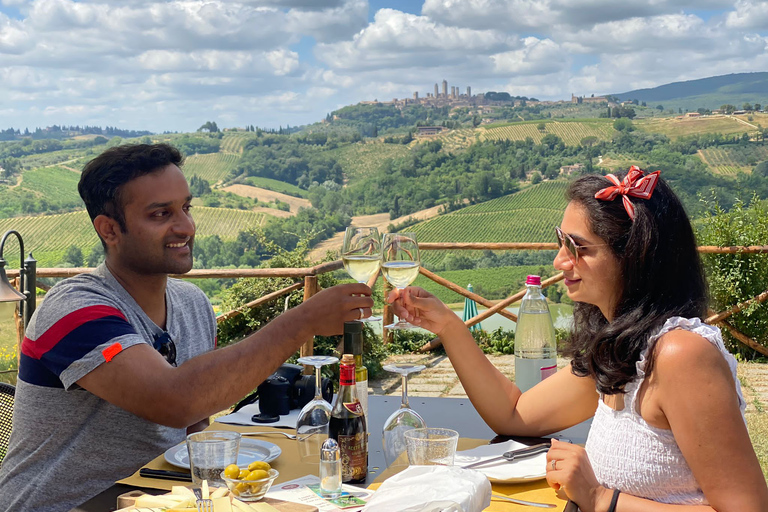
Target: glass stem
x,y
318,393
404,404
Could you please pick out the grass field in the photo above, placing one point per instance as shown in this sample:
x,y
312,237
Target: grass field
x,y
276,186
211,167
675,128
484,281
49,236
363,158
572,132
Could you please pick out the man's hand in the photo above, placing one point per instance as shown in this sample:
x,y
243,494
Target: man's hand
x,y
325,312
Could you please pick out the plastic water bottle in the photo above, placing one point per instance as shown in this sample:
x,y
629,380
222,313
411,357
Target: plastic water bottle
x,y
535,344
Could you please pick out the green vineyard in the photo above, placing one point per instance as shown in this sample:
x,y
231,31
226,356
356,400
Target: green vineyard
x,y
526,216
56,185
572,133
276,186
730,160
211,167
455,140
233,141
363,158
49,236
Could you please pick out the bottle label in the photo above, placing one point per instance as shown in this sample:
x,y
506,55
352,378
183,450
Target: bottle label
x,y
362,395
347,375
354,407
354,456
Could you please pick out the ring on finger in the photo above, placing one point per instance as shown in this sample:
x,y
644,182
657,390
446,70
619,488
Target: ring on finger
x,y
554,467
362,313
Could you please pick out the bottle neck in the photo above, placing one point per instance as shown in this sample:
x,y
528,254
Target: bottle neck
x,y
347,375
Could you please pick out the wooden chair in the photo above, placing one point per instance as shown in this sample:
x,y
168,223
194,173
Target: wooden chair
x,y
7,395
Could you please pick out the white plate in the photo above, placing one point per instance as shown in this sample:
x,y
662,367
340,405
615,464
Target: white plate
x,y
524,470
250,450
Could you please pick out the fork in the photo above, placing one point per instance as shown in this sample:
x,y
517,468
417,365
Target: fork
x,y
203,504
286,434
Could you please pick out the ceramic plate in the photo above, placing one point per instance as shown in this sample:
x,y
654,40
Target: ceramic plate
x,y
250,450
524,470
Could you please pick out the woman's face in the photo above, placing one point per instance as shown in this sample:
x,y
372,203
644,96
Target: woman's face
x,y
595,278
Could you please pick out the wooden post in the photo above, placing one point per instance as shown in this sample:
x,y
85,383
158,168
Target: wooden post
x,y
308,349
743,338
19,325
388,315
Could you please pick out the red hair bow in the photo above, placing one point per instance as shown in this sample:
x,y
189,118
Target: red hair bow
x,y
635,184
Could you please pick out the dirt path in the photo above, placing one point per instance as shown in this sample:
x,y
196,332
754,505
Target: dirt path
x,y
703,158
265,195
378,220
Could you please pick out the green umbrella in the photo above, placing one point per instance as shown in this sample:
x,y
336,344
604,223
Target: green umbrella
x,y
470,310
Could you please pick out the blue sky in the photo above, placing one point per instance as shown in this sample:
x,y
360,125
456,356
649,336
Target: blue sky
x,y
174,65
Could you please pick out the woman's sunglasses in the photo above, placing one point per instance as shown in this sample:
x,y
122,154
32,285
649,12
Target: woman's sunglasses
x,y
571,247
165,345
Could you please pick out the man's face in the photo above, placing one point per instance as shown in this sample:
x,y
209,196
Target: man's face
x,y
160,231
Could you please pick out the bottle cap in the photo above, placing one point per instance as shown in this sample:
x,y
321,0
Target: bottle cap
x,y
535,280
330,450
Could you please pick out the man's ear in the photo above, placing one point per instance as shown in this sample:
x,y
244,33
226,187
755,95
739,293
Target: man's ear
x,y
108,229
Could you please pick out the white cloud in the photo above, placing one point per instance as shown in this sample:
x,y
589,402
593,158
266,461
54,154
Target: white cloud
x,y
536,57
333,24
749,14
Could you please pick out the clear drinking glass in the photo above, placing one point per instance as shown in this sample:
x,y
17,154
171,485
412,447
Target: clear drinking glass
x,y
361,254
400,264
402,420
314,418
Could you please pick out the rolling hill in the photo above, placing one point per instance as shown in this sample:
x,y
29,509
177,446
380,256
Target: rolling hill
x,y
712,92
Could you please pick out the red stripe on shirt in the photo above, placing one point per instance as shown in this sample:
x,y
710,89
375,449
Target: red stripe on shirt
x,y
37,348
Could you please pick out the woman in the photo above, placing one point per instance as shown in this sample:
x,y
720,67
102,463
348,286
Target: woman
x,y
668,432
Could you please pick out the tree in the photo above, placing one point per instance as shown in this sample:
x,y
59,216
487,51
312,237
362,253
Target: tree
x,y
660,108
74,256
589,140
623,124
209,126
758,107
541,127
535,178
746,106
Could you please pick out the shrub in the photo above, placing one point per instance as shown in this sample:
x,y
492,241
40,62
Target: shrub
x,y
734,278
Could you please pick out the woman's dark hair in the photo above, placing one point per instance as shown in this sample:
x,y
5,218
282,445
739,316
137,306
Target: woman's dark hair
x,y
661,277
103,177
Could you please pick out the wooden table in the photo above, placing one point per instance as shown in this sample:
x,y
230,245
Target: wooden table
x,y
456,413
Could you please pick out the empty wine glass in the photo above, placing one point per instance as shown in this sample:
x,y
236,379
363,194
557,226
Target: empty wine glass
x,y
361,254
403,419
314,418
400,265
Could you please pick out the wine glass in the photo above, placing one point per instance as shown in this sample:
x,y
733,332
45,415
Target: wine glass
x,y
403,419
361,254
314,418
400,265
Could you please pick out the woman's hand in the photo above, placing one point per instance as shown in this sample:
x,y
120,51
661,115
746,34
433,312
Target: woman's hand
x,y
421,308
569,470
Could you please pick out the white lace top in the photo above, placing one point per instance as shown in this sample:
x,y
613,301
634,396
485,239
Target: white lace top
x,y
628,454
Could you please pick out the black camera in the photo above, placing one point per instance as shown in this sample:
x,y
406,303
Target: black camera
x,y
288,389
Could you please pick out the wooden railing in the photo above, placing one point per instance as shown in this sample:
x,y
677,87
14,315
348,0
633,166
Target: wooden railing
x,y
308,281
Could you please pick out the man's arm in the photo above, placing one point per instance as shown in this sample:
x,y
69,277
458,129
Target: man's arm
x,y
139,379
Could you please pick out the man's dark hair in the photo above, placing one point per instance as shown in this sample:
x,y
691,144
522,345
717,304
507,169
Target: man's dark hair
x,y
661,276
102,180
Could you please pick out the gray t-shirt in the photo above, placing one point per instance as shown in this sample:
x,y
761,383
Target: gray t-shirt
x,y
67,444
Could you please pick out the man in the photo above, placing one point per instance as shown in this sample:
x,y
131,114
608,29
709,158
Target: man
x,y
118,364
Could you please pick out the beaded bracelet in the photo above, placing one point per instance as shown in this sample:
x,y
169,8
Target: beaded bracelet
x,y
614,500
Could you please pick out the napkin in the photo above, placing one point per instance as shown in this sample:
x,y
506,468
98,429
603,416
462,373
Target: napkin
x,y
529,468
243,417
432,489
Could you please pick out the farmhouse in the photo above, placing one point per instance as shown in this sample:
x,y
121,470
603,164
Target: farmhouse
x,y
423,131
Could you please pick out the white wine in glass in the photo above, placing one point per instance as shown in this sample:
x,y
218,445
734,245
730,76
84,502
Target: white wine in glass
x,y
361,255
400,264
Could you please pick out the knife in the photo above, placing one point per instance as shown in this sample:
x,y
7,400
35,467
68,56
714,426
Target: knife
x,y
513,455
522,502
165,474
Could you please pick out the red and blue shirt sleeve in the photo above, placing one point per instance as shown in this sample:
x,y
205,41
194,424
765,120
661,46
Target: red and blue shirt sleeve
x,y
93,331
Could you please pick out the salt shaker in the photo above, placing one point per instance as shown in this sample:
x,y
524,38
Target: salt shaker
x,y
330,469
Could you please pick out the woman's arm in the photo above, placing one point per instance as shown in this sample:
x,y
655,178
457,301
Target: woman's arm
x,y
698,398
558,402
